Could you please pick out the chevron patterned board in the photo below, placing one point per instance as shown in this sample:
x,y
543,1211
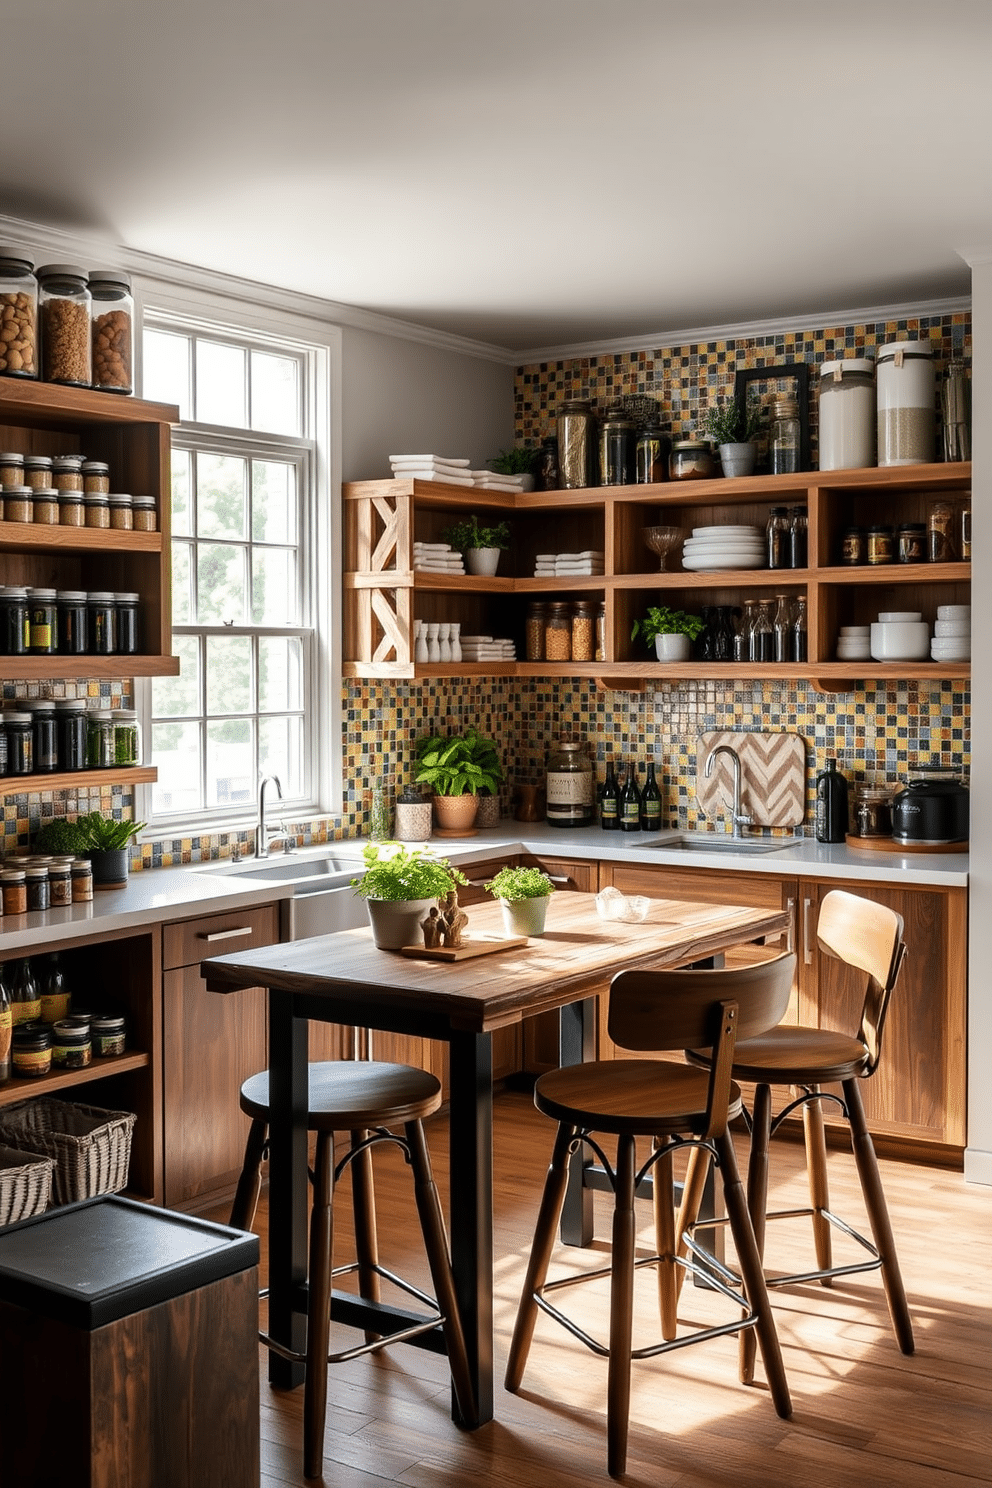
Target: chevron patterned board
x,y
773,777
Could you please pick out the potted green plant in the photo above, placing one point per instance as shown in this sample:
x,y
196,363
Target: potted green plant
x,y
106,842
399,886
734,424
457,767
520,460
671,632
480,544
523,894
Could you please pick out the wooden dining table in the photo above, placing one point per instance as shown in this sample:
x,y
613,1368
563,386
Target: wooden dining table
x,y
344,978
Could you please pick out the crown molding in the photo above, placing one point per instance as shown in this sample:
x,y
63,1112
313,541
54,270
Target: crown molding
x,y
975,256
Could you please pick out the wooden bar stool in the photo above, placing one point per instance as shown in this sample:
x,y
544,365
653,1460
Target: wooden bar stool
x,y
676,1106
868,937
365,1099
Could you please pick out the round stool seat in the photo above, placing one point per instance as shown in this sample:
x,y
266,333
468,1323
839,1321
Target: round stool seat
x,y
343,1095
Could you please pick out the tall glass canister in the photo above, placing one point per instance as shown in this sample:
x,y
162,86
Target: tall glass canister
x,y
18,314
576,445
65,325
113,330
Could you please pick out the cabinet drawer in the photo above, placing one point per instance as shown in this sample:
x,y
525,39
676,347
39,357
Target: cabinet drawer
x,y
187,942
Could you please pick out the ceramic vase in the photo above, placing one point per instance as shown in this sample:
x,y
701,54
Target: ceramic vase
x,y
484,561
524,916
396,922
672,647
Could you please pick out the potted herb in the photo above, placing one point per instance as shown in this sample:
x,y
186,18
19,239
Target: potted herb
x,y
523,894
734,425
106,842
399,886
520,461
457,767
480,545
60,837
671,632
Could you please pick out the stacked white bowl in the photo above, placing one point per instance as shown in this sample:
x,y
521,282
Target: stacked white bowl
x,y
854,643
952,634
724,547
900,635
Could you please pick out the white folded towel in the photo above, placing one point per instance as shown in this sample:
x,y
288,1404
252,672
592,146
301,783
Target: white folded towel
x,y
429,460
426,547
438,568
495,485
443,477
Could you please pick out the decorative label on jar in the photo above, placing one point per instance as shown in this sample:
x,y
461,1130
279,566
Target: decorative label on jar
x,y
569,796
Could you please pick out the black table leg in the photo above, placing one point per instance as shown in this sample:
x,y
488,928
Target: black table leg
x,y
287,1185
577,1045
471,1151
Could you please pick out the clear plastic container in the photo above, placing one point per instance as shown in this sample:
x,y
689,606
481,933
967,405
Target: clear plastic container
x,y
65,303
113,330
18,314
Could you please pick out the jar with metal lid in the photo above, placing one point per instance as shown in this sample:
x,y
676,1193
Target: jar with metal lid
x,y
64,302
45,507
18,314
911,542
144,514
41,622
873,810
879,545
13,890
127,738
570,793
121,512
82,880
18,504
44,735
113,330
70,721
71,622
72,1047
576,444
19,728
102,622
72,512
108,1031
11,469
31,1050
96,508
784,436
534,630
37,471
126,623
96,477
777,537
847,414
67,472
60,883
558,632
617,449
905,399
941,536
651,455
99,739
691,459
36,882
14,633
853,546
583,630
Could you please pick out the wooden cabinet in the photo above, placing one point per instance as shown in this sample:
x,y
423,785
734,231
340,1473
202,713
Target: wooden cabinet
x,y
210,1045
384,596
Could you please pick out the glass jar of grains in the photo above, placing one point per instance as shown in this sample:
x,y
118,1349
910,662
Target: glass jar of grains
x,y
97,509
534,627
18,505
45,507
65,324
96,476
558,632
143,513
121,512
583,630
72,513
67,472
11,469
37,471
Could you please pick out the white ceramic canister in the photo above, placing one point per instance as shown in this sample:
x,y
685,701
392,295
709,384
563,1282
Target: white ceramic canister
x,y
847,414
907,416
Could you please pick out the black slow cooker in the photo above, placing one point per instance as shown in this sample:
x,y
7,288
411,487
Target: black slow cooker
x,y
932,808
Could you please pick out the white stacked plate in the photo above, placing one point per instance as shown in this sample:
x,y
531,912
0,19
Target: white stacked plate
x,y
724,547
854,643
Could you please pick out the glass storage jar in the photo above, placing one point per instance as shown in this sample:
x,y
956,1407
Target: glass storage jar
x,y
558,632
18,314
64,302
873,810
72,512
651,455
20,743
583,630
45,747
847,414
99,739
570,794
45,507
143,514
41,622
113,330
783,436
127,740
101,619
534,630
126,623
121,512
37,471
617,449
691,459
70,722
96,508
72,627
14,634
905,399
67,472
96,476
11,469
576,444
18,504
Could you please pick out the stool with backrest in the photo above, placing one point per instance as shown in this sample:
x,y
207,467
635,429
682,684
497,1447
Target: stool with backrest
x,y
364,1098
674,1106
868,937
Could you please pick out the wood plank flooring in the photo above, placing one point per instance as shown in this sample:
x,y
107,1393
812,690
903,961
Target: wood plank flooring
x,y
863,1413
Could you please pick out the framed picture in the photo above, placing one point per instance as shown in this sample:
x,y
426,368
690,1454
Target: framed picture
x,y
761,380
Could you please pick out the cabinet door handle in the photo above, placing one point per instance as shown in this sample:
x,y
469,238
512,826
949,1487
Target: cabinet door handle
x,y
807,937
790,934
223,934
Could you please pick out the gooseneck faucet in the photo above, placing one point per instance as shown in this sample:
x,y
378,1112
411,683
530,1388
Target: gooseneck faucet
x,y
740,820
261,831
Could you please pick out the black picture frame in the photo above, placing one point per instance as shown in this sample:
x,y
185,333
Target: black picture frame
x,y
796,372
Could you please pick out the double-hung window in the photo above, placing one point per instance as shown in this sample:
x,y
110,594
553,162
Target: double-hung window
x,y
245,603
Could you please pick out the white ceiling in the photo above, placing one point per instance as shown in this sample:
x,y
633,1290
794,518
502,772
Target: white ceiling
x,y
526,173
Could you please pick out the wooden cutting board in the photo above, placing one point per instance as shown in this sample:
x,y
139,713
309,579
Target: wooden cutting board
x,y
773,777
484,946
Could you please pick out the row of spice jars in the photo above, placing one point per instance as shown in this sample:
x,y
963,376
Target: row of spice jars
x,y
71,491
68,622
64,324
43,736
71,1043
39,882
565,630
944,538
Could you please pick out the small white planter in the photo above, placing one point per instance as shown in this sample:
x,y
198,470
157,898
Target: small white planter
x,y
483,561
524,916
672,647
396,922
738,459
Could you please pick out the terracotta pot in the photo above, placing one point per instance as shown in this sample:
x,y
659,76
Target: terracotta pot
x,y
455,815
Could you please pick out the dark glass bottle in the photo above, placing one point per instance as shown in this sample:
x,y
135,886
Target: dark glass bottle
x,y
650,803
25,1001
777,537
798,537
761,645
609,802
548,473
831,804
783,628
800,636
6,1028
55,997
630,802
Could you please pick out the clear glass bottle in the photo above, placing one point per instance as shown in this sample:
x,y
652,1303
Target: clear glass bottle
x,y
800,637
570,794
762,638
782,626
743,621
65,304
113,330
18,314
784,436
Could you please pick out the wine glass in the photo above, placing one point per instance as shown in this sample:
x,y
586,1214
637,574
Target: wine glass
x,y
662,540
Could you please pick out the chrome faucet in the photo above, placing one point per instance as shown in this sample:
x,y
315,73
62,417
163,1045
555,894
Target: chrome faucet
x,y
261,831
740,820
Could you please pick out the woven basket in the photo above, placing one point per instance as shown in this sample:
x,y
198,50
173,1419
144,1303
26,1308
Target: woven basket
x,y
25,1184
91,1148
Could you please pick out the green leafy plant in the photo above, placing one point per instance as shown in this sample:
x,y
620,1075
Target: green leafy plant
x,y
60,837
660,620
452,764
394,872
732,421
516,461
104,834
520,883
469,534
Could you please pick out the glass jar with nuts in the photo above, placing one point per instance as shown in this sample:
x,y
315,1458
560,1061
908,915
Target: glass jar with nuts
x,y
18,315
113,330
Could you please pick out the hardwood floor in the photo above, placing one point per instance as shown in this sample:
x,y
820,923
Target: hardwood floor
x,y
863,1413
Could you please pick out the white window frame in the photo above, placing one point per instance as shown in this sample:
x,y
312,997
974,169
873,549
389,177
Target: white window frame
x,y
266,328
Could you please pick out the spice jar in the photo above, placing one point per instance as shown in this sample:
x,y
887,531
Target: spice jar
x,y
558,632
96,477
18,504
576,444
41,622
101,617
940,533
31,1050
905,399
570,794
67,472
127,742
911,542
601,633
72,1047
37,471
18,314
617,446
36,882
11,469
20,743
777,537
126,624
853,546
96,507
72,513
783,436
99,739
71,621
45,747
583,630
691,459
60,883
107,1031
113,330
143,514
70,724
879,545
81,870
45,507
651,455
13,889
873,810
847,414
64,302
121,513
548,471
13,620
534,630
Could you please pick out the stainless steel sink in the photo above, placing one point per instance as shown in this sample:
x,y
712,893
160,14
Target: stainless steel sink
x,y
724,842
291,869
